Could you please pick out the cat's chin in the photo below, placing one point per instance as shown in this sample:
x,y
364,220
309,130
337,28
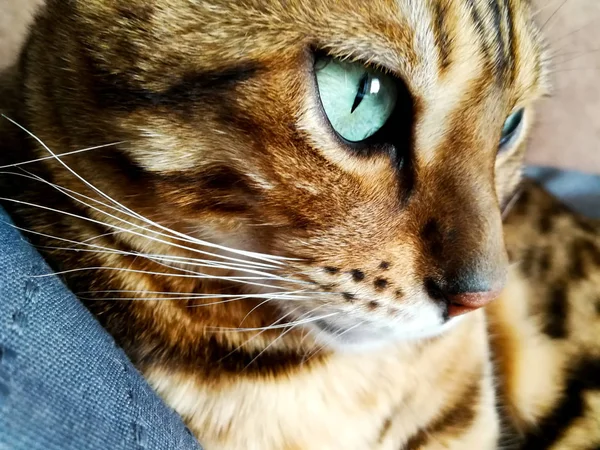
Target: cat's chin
x,y
364,336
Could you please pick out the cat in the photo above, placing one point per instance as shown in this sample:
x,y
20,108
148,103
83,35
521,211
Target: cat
x,y
289,213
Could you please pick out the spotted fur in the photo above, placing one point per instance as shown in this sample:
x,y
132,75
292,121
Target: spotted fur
x,y
219,177
545,327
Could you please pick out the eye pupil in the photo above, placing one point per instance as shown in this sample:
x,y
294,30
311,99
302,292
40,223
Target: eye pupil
x,y
362,91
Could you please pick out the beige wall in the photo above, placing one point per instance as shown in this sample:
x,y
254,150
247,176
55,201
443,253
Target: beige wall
x,y
14,18
568,129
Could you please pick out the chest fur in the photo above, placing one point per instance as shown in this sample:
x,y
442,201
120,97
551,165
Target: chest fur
x,y
387,399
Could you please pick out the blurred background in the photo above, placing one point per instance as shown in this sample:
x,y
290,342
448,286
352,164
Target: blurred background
x,y
567,133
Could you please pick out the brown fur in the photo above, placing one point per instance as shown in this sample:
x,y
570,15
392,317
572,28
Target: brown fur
x,y
220,136
545,328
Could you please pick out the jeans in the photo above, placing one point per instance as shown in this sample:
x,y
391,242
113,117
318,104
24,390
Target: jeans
x,y
64,384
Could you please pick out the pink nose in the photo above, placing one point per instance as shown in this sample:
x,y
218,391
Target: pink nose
x,y
464,303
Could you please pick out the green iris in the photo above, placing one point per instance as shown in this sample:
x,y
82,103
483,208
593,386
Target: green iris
x,y
358,100
511,127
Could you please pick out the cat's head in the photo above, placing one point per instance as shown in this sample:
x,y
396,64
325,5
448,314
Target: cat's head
x,y
374,144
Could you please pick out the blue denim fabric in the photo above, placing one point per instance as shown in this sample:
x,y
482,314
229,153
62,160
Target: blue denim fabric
x,y
580,191
65,385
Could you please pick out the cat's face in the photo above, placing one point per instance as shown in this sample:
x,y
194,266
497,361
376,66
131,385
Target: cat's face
x,y
373,142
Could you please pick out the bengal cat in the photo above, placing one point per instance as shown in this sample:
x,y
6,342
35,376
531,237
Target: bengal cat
x,y
288,213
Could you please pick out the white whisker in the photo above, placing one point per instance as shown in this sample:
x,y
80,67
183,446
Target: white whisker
x,y
110,233
247,341
265,275
255,308
158,259
273,327
242,280
194,295
61,154
254,255
337,336
100,249
282,335
287,295
151,256
89,219
162,299
102,223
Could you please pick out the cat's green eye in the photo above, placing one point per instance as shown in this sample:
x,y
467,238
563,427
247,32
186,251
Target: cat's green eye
x,y
357,100
511,127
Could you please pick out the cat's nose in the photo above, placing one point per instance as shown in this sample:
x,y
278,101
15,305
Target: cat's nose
x,y
465,294
459,304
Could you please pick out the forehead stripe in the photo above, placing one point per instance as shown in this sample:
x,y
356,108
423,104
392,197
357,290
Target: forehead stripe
x,y
499,38
511,37
112,90
493,20
480,26
441,33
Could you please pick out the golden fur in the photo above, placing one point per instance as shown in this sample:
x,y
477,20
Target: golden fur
x,y
293,293
545,327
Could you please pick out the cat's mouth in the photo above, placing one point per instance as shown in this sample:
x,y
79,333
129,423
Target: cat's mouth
x,y
363,334
344,330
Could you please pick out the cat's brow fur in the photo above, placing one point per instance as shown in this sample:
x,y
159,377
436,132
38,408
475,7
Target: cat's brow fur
x,y
220,137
